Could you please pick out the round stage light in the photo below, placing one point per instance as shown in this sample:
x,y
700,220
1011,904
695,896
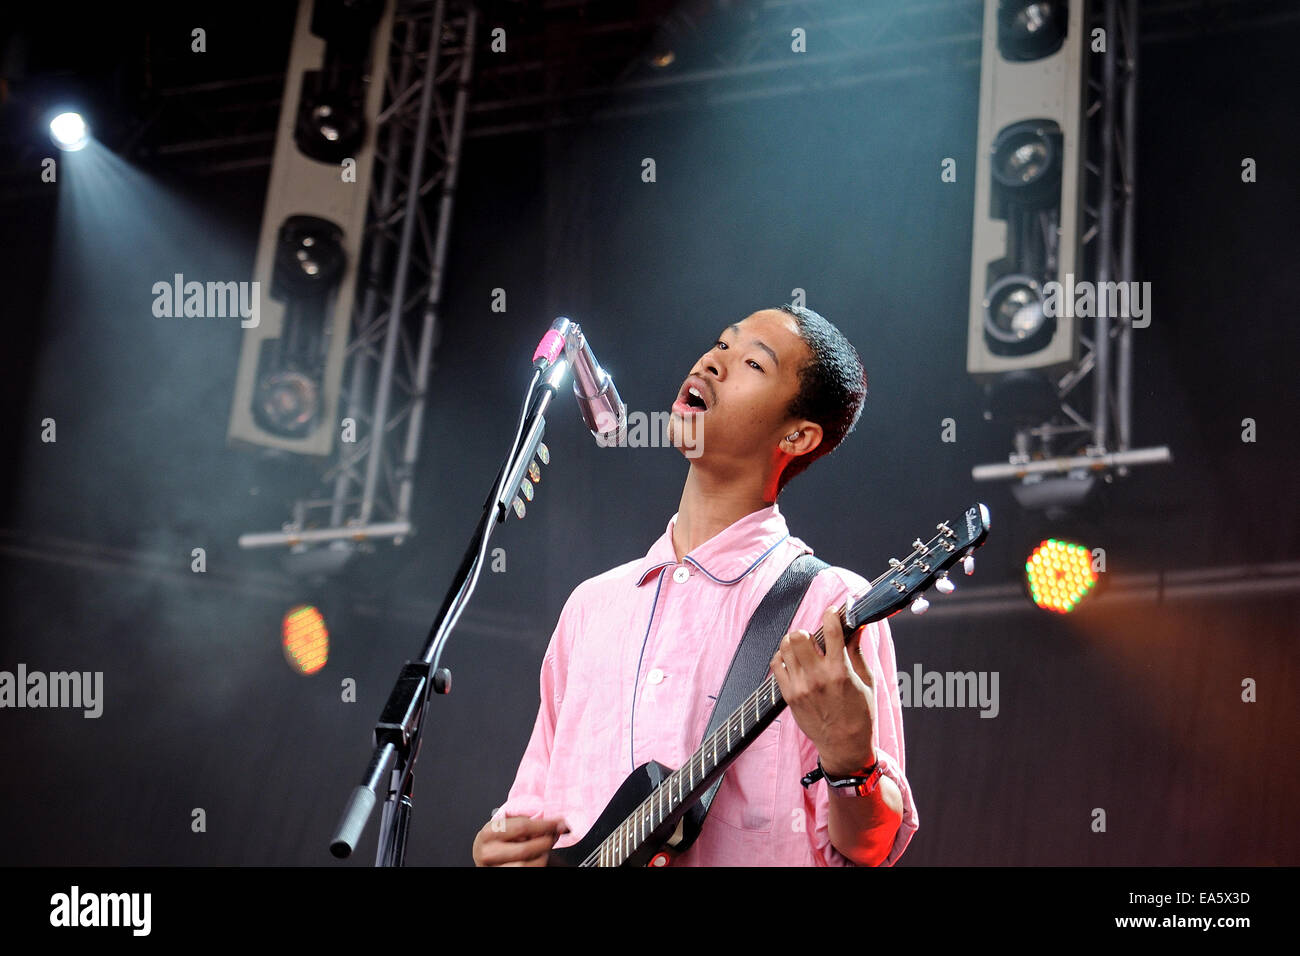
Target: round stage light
x,y
306,641
331,124
69,132
1031,30
1015,322
309,258
287,403
1027,162
1059,575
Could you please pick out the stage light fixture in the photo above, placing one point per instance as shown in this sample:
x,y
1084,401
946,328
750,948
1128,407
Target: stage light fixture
x,y
309,264
287,403
331,122
309,258
1027,163
69,132
1031,30
1059,575
305,639
1015,322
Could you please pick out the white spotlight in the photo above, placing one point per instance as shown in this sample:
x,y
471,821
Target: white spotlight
x,y
69,131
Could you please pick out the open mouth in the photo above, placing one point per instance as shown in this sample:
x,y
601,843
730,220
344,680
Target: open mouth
x,y
692,399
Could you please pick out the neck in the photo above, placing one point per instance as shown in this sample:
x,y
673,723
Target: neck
x,y
711,504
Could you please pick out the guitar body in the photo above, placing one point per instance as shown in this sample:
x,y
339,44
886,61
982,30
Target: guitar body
x,y
630,794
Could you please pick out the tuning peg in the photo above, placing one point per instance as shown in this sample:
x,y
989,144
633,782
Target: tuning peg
x,y
534,473
943,585
519,507
543,453
920,605
526,487
968,564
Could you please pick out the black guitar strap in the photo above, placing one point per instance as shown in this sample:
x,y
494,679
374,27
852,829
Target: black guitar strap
x,y
750,665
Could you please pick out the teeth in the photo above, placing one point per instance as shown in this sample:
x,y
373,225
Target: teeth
x,y
696,392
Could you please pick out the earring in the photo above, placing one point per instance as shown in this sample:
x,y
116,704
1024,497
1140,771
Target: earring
x,y
793,437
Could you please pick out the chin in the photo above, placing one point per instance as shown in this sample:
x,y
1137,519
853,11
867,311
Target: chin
x,y
686,436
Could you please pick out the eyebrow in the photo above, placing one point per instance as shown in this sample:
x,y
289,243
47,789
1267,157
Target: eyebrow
x,y
761,345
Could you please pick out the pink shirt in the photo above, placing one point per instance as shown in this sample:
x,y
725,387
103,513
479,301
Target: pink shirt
x,y
630,676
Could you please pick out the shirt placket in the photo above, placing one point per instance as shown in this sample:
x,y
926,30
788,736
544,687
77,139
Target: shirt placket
x,y
651,676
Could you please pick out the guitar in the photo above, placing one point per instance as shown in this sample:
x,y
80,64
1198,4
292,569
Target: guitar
x,y
655,815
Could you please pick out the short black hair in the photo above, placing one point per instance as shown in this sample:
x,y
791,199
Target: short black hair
x,y
832,386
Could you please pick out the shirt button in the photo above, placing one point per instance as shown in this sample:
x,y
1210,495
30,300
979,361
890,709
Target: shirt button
x,y
656,676
681,574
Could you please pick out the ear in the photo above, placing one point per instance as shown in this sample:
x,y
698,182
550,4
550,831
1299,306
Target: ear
x,y
801,439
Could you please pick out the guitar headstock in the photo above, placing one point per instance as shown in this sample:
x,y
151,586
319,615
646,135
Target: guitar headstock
x,y
906,581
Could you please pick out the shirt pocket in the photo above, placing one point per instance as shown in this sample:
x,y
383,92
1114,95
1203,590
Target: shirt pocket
x,y
747,798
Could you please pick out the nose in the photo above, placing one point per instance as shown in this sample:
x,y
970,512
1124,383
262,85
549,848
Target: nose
x,y
711,363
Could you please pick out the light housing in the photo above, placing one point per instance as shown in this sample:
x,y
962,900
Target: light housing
x,y
1031,29
287,403
1026,163
1015,321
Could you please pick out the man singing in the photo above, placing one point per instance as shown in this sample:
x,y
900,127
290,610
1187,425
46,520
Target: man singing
x,y
640,652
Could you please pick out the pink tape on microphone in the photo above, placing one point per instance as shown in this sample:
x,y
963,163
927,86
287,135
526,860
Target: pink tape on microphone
x,y
550,347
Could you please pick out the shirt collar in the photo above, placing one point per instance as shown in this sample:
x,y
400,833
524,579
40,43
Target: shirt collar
x,y
730,554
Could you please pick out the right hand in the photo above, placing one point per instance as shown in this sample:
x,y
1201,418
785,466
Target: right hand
x,y
517,841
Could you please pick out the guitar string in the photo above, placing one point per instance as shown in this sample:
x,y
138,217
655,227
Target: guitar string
x,y
613,846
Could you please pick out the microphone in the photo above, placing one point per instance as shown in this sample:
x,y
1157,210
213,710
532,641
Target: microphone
x,y
603,411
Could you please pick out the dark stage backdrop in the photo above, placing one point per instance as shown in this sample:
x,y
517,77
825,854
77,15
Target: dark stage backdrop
x,y
1134,709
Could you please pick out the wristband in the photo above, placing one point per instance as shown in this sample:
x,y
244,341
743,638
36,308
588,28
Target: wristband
x,y
858,785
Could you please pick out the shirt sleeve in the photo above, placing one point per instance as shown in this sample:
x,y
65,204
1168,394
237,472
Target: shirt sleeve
x,y
877,646
527,794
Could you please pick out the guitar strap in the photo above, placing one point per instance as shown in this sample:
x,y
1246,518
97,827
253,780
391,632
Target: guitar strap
x,y
751,663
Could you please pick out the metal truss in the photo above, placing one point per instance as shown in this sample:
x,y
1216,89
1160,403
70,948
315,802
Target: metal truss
x,y
395,319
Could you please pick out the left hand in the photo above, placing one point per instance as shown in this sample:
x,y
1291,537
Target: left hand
x,y
831,695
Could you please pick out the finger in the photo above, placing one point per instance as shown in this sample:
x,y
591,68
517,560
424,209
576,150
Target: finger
x,y
799,650
503,852
525,828
781,674
860,653
833,633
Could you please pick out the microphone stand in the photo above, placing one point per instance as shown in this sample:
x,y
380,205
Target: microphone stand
x,y
401,723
